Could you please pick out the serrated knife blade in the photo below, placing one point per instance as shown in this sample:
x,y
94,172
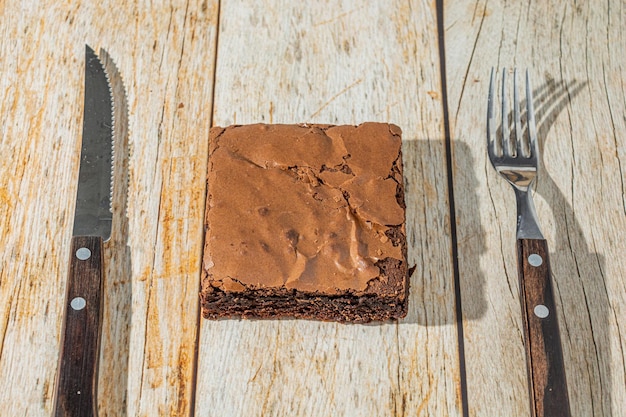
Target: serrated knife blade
x,y
93,200
77,377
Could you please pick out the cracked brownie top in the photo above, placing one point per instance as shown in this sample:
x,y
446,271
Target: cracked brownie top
x,y
311,208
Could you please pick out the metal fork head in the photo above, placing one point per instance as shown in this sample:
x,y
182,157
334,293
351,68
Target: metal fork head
x,y
515,156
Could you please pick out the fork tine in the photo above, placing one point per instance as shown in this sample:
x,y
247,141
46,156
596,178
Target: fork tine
x,y
517,118
506,148
491,142
532,128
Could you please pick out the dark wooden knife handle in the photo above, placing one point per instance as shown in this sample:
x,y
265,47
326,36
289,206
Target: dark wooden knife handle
x,y
544,354
77,376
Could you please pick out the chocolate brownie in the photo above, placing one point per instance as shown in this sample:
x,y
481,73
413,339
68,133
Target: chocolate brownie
x,y
305,221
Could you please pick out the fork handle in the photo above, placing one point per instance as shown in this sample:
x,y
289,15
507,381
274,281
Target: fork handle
x,y
544,354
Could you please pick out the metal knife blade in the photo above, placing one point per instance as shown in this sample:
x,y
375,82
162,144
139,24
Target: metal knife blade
x,y
93,201
77,377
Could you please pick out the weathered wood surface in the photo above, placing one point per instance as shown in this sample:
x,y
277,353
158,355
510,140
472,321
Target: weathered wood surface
x,y
343,63
165,53
336,62
575,54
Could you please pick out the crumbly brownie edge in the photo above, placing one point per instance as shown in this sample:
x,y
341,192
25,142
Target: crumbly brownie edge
x,y
278,304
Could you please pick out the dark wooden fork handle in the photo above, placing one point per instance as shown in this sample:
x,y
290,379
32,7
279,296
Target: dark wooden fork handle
x,y
544,354
77,378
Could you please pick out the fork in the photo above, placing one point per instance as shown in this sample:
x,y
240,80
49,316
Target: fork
x,y
516,159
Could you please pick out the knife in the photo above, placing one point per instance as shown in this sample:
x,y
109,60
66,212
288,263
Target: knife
x,y
78,365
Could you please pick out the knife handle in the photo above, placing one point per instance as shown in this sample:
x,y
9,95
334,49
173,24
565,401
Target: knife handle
x,y
77,377
544,354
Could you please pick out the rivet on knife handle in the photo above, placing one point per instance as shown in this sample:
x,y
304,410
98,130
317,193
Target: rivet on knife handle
x,y
77,378
548,388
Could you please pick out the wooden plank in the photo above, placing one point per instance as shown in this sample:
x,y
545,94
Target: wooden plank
x,y
343,63
574,55
165,52
34,249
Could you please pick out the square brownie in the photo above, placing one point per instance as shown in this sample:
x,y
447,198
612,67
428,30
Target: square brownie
x,y
305,221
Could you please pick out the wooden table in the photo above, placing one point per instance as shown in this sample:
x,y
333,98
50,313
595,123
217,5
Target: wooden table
x,y
421,65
